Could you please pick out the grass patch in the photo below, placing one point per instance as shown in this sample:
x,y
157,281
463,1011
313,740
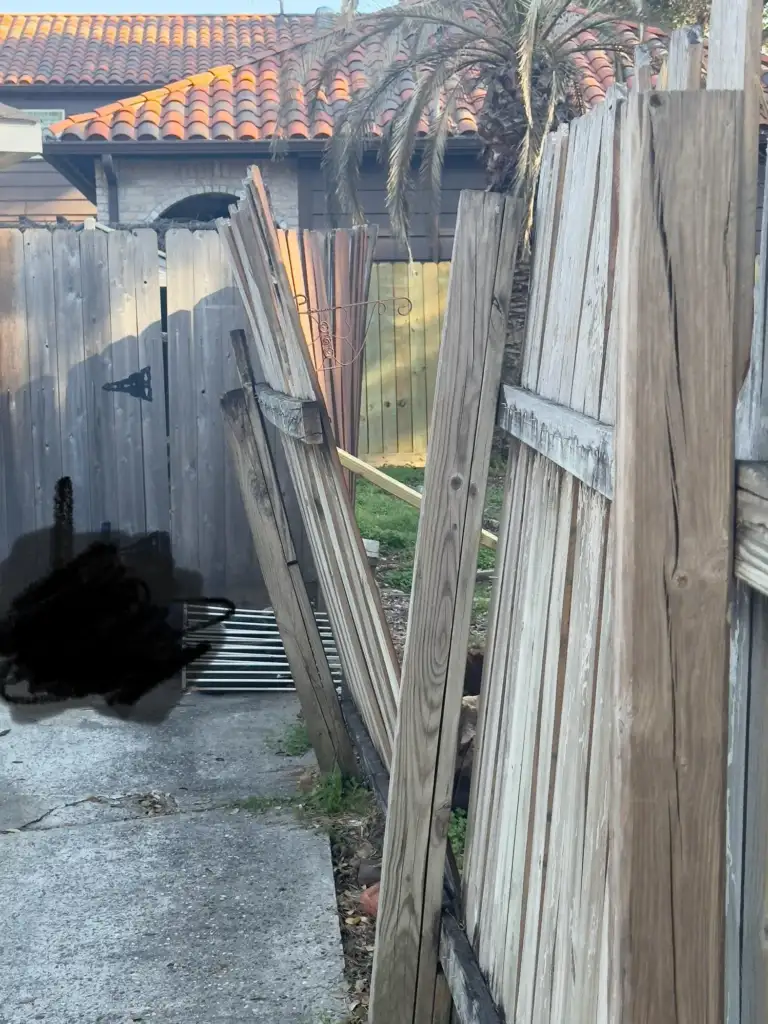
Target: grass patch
x,y
334,796
294,742
457,833
262,804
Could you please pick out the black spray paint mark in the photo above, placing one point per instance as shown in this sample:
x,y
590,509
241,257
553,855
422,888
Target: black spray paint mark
x,y
91,628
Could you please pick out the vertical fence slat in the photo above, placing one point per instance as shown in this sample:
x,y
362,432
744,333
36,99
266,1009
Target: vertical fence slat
x,y
387,360
374,412
673,510
99,370
71,373
43,372
403,362
16,461
128,452
420,409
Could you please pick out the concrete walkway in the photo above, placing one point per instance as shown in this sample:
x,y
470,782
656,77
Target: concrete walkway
x,y
136,891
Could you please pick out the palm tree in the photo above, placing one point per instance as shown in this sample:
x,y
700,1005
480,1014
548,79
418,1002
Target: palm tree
x,y
514,61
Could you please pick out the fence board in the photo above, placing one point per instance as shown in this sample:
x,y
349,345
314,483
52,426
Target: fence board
x,y
150,346
673,516
43,372
433,298
16,459
99,370
419,408
121,247
72,384
387,362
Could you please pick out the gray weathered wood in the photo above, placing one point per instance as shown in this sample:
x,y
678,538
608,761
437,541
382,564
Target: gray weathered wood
x,y
405,962
673,508
684,62
16,460
576,442
150,345
643,69
292,416
72,381
288,596
43,373
128,445
751,544
99,370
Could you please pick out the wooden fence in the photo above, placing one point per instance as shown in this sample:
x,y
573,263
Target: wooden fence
x,y
401,350
82,394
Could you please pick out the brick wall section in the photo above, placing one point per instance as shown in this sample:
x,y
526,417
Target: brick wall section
x,y
147,187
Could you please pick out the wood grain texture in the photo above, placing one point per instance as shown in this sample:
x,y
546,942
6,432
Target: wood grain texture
x,y
249,450
673,508
686,49
734,62
293,416
575,442
277,342
423,763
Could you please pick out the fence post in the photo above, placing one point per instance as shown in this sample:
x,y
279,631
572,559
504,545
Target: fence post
x,y
673,508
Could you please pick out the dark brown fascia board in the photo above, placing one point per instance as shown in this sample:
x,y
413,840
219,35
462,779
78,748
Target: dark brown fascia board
x,y
214,147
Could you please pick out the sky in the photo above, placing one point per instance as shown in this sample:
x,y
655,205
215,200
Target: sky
x,y
166,6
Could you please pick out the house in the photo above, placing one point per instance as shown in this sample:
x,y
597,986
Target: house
x,y
157,117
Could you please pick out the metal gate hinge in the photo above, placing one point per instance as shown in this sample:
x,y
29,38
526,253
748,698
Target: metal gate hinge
x,y
137,385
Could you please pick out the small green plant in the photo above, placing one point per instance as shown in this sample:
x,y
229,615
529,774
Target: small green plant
x,y
457,834
335,795
260,804
295,741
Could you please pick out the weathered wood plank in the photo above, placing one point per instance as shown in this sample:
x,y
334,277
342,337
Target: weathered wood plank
x,y
420,407
182,387
575,442
433,280
99,370
405,961
372,371
365,646
686,49
129,450
296,622
387,364
643,69
673,508
293,416
16,459
402,367
734,62
43,373
150,343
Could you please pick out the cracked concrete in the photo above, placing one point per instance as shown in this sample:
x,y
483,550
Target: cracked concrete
x,y
133,890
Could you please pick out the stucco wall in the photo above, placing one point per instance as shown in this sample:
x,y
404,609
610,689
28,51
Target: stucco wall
x,y
147,187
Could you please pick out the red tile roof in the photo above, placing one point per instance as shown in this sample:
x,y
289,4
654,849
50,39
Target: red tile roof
x,y
242,103
136,49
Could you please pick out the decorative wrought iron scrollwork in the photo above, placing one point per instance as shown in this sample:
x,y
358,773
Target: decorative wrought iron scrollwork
x,y
326,324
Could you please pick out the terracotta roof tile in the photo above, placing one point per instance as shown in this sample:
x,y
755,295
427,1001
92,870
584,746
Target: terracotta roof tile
x,y
135,49
230,102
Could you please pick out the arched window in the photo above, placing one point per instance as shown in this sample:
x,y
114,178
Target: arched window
x,y
203,207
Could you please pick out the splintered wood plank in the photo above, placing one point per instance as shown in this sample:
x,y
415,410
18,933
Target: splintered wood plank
x,y
94,278
182,387
599,272
492,693
558,628
734,62
418,358
129,452
16,453
150,337
405,962
43,372
260,489
548,199
673,509
568,273
388,363
373,370
686,50
276,340
72,383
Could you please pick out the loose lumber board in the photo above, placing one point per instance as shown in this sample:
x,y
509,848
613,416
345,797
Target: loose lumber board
x,y
673,509
277,343
260,488
423,764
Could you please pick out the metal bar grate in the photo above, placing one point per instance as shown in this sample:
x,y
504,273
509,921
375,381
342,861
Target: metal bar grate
x,y
247,652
